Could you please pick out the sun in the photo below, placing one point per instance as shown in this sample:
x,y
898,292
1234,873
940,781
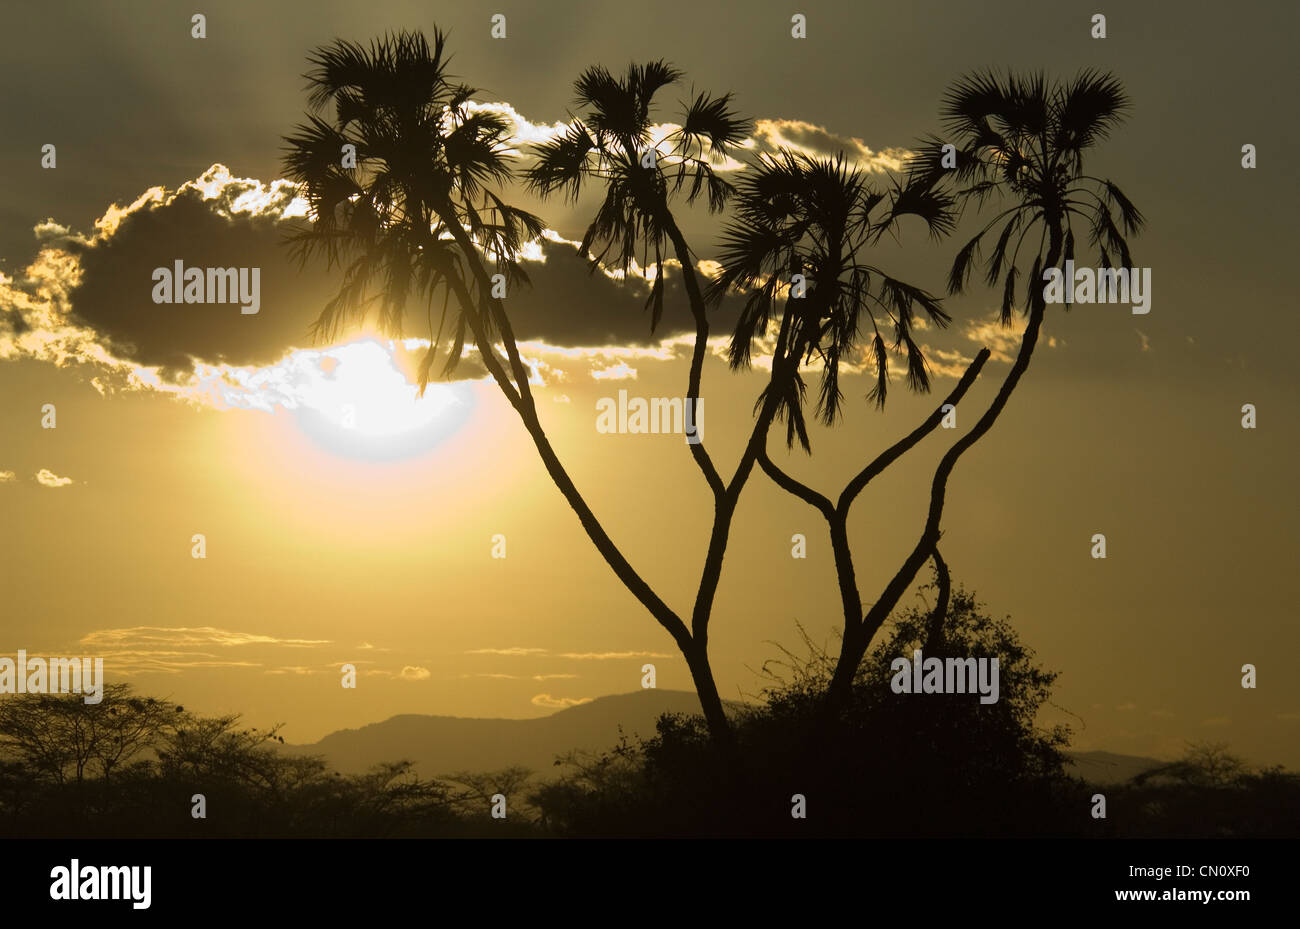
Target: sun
x,y
360,388
356,400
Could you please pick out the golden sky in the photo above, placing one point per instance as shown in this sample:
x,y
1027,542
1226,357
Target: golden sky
x,y
373,545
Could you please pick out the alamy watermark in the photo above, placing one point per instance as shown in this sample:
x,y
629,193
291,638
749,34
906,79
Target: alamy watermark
x,y
180,284
88,882
53,675
946,676
1102,285
655,416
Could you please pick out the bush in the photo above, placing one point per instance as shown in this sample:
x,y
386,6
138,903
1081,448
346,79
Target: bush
x,y
890,764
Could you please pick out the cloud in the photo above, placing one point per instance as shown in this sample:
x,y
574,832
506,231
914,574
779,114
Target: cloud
x,y
573,656
182,635
615,372
513,650
414,673
559,703
818,142
521,677
86,299
7,476
768,136
169,650
47,478
605,656
1003,342
523,132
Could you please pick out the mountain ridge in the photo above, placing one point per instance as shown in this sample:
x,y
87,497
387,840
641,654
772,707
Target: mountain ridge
x,y
441,745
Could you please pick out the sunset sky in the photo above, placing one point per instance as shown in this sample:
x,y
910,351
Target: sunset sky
x,y
373,545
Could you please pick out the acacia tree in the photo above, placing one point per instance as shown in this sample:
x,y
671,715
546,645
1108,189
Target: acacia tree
x,y
1016,138
65,739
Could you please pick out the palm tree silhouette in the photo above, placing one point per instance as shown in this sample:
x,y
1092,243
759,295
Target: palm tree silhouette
x,y
409,213
814,217
418,215
819,218
612,143
1022,139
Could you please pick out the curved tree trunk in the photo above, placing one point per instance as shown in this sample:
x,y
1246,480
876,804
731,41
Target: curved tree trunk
x,y
855,644
934,637
693,649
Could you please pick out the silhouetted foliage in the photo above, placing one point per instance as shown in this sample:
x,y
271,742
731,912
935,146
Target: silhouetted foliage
x,y
129,766
904,764
818,218
891,764
1206,793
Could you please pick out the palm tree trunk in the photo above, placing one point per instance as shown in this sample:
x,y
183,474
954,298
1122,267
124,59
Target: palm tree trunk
x,y
696,299
850,597
855,643
694,651
934,636
697,659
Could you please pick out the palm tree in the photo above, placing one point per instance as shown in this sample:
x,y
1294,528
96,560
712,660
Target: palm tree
x,y
819,218
797,215
408,214
612,143
417,215
1020,139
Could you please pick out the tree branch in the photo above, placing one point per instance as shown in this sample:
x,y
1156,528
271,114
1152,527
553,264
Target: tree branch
x,y
792,486
905,444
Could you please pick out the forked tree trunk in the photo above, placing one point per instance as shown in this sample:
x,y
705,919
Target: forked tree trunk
x,y
856,642
693,649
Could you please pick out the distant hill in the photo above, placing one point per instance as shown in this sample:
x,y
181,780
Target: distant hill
x,y
1109,768
445,744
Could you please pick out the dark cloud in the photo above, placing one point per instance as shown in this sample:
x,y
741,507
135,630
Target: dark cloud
x,y
115,294
566,303
14,321
570,305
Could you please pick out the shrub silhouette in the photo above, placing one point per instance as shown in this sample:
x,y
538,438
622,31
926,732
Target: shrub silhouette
x,y
890,764
1207,793
129,766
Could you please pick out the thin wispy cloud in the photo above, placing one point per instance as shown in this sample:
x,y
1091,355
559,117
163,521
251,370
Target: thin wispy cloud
x,y
573,656
170,650
559,703
608,656
512,650
187,635
522,677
